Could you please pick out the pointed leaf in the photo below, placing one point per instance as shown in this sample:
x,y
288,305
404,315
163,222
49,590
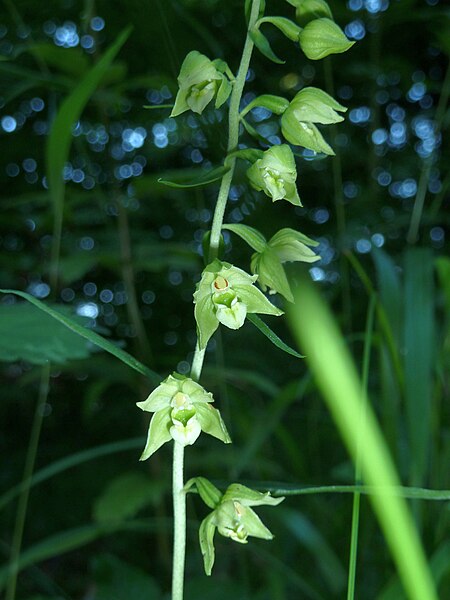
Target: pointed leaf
x,y
262,43
203,179
208,492
93,337
276,104
272,336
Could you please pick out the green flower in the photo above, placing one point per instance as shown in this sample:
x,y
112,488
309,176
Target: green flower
x,y
200,80
225,294
311,105
182,411
287,245
322,37
275,174
232,516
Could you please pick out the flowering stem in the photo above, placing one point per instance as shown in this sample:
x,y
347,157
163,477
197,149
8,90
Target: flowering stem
x,y
179,496
179,511
233,133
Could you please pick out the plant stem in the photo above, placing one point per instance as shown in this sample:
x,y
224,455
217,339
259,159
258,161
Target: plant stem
x,y
26,481
233,134
179,511
179,496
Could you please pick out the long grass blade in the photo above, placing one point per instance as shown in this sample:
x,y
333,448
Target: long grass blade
x,y
336,377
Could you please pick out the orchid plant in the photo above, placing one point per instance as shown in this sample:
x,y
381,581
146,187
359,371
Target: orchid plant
x,y
226,294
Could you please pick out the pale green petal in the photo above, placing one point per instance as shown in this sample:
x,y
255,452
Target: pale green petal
x,y
253,524
196,68
180,103
211,422
158,433
206,319
256,301
161,397
195,391
249,497
237,277
303,134
206,539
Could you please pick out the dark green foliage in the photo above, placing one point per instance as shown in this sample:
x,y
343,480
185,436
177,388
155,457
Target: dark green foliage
x,y
130,255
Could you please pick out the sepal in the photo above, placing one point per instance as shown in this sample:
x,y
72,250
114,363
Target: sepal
x,y
316,106
322,37
304,134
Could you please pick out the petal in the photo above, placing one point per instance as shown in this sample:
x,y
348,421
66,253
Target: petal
x,y
206,539
158,433
206,319
186,435
211,422
161,396
256,302
232,317
249,497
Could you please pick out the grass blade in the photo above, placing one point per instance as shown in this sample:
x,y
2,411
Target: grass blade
x,y
271,335
338,381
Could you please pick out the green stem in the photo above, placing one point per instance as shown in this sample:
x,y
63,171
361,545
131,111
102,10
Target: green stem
x,y
361,427
26,483
233,134
179,511
179,496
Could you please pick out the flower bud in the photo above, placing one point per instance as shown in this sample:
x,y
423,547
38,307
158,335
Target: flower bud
x,y
225,294
182,410
275,174
200,80
322,37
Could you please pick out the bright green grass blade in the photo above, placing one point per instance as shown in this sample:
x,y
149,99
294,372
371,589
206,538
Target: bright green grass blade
x,y
419,357
93,337
338,381
68,462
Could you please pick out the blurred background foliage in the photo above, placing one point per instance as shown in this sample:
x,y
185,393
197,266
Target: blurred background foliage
x,y
98,523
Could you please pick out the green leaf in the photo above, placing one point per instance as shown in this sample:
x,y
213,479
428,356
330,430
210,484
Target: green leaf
x,y
262,43
27,334
252,236
250,154
272,336
203,179
93,337
125,496
286,26
60,138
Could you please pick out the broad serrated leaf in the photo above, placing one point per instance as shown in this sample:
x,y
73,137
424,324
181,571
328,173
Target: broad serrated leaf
x,y
272,336
27,334
203,179
93,337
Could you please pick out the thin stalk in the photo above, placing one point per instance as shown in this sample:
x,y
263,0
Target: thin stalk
x,y
361,427
179,511
179,496
233,134
22,506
